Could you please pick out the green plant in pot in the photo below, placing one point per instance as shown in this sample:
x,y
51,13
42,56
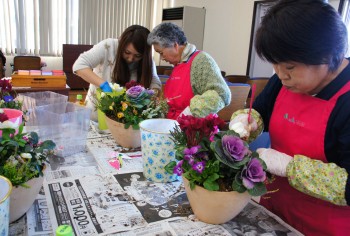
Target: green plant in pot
x,y
126,108
216,166
23,160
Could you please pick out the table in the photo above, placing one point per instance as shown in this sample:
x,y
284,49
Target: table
x,y
85,190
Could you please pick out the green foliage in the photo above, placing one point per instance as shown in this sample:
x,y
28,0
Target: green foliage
x,y
22,155
130,111
216,160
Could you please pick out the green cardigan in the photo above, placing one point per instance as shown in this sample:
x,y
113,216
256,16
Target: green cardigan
x,y
209,87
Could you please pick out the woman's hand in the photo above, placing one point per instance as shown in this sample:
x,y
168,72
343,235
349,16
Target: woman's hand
x,y
276,161
105,87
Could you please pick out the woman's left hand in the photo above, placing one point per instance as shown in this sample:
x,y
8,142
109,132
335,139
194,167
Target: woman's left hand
x,y
276,161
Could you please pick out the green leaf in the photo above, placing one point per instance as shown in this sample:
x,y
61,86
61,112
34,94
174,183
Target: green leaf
x,y
236,186
258,190
211,185
170,167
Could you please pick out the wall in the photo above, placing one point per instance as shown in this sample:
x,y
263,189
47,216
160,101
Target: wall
x,y
226,35
227,30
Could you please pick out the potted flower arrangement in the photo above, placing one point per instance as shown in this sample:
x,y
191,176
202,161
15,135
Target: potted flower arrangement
x,y
215,166
126,107
22,161
6,95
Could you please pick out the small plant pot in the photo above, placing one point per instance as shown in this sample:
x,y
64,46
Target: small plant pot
x,y
214,207
22,198
128,138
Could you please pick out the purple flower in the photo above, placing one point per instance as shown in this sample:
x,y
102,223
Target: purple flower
x,y
8,98
190,152
178,168
234,147
199,166
253,173
150,92
135,91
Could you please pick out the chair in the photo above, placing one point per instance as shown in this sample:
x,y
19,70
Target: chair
x,y
239,94
168,71
163,78
161,69
237,78
70,54
26,63
260,83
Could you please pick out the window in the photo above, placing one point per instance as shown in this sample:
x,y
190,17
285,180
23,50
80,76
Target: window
x,y
40,27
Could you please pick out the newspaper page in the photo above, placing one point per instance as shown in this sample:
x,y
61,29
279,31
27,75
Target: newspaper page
x,y
110,161
76,165
38,219
99,205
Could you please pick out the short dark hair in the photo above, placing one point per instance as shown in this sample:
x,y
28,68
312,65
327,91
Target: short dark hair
x,y
306,31
166,35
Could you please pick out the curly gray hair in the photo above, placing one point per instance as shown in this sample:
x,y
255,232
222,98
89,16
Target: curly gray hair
x,y
166,35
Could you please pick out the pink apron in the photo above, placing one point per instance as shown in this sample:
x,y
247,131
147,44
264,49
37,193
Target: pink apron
x,y
178,89
298,126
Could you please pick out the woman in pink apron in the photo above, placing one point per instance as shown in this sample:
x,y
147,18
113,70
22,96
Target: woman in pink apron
x,y
306,109
195,85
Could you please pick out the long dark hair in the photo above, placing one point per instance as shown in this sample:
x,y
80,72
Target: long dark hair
x,y
137,36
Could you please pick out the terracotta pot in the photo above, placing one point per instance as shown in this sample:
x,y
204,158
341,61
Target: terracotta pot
x,y
128,138
215,207
22,199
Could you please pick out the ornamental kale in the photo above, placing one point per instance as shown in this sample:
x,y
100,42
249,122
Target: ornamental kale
x,y
216,160
131,105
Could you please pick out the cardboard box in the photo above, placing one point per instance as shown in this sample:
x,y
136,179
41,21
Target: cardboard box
x,y
39,81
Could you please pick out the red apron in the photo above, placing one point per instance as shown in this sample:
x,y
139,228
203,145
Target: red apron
x,y
298,126
178,89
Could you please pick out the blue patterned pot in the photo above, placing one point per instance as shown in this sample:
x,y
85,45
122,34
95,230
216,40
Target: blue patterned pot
x,y
157,149
5,191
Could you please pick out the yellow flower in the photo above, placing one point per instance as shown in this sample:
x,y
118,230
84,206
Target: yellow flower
x,y
124,106
135,112
120,115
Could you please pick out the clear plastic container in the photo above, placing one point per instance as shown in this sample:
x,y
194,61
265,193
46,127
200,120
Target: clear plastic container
x,y
67,124
32,100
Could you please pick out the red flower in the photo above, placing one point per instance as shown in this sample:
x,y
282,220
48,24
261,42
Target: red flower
x,y
3,117
197,128
130,84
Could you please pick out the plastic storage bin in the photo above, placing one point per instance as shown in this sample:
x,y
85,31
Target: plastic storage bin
x,y
34,99
67,124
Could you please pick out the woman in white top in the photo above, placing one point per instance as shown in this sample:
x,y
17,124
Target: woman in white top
x,y
118,61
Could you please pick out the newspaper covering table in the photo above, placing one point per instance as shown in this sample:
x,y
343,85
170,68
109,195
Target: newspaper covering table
x,y
88,192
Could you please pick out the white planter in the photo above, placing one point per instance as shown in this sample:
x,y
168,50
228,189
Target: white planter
x,y
22,198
